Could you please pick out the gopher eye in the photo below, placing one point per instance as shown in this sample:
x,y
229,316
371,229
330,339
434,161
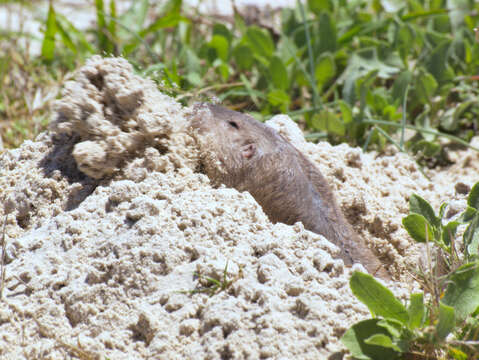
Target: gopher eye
x,y
233,124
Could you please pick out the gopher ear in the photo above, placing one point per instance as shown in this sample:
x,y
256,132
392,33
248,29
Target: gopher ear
x,y
247,151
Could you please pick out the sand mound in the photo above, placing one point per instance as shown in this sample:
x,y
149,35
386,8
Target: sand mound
x,y
100,263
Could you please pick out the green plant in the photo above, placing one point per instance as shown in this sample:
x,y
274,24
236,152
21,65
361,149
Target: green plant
x,y
423,225
446,325
212,286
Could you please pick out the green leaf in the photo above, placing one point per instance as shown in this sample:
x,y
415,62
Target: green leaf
x,y
426,148
415,311
66,38
317,6
446,321
382,340
415,225
220,44
426,86
467,215
169,20
325,70
221,29
462,293
393,327
473,198
471,237
278,98
420,206
327,34
437,60
48,45
279,74
101,24
449,232
354,339
346,112
377,298
329,122
112,25
243,57
260,42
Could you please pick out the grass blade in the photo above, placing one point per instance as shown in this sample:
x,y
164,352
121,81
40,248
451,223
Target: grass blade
x,y
48,45
310,56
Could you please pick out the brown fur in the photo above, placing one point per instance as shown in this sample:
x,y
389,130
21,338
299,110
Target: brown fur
x,y
243,153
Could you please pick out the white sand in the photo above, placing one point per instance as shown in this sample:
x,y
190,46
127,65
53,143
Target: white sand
x,y
100,265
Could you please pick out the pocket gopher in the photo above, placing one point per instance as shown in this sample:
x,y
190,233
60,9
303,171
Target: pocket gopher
x,y
245,154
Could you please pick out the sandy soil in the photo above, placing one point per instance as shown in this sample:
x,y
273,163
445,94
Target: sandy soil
x,y
109,221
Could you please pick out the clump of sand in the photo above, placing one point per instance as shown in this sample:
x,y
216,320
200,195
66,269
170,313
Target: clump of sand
x,y
103,263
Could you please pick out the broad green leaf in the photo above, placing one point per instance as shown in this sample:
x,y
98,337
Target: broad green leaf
x,y
437,60
243,57
278,98
449,232
426,148
462,293
415,311
451,118
317,6
220,44
420,206
382,340
425,87
393,326
346,112
221,29
354,339
327,34
415,225
48,45
260,42
405,41
467,215
325,70
329,122
471,237
473,198
279,74
446,322
379,299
